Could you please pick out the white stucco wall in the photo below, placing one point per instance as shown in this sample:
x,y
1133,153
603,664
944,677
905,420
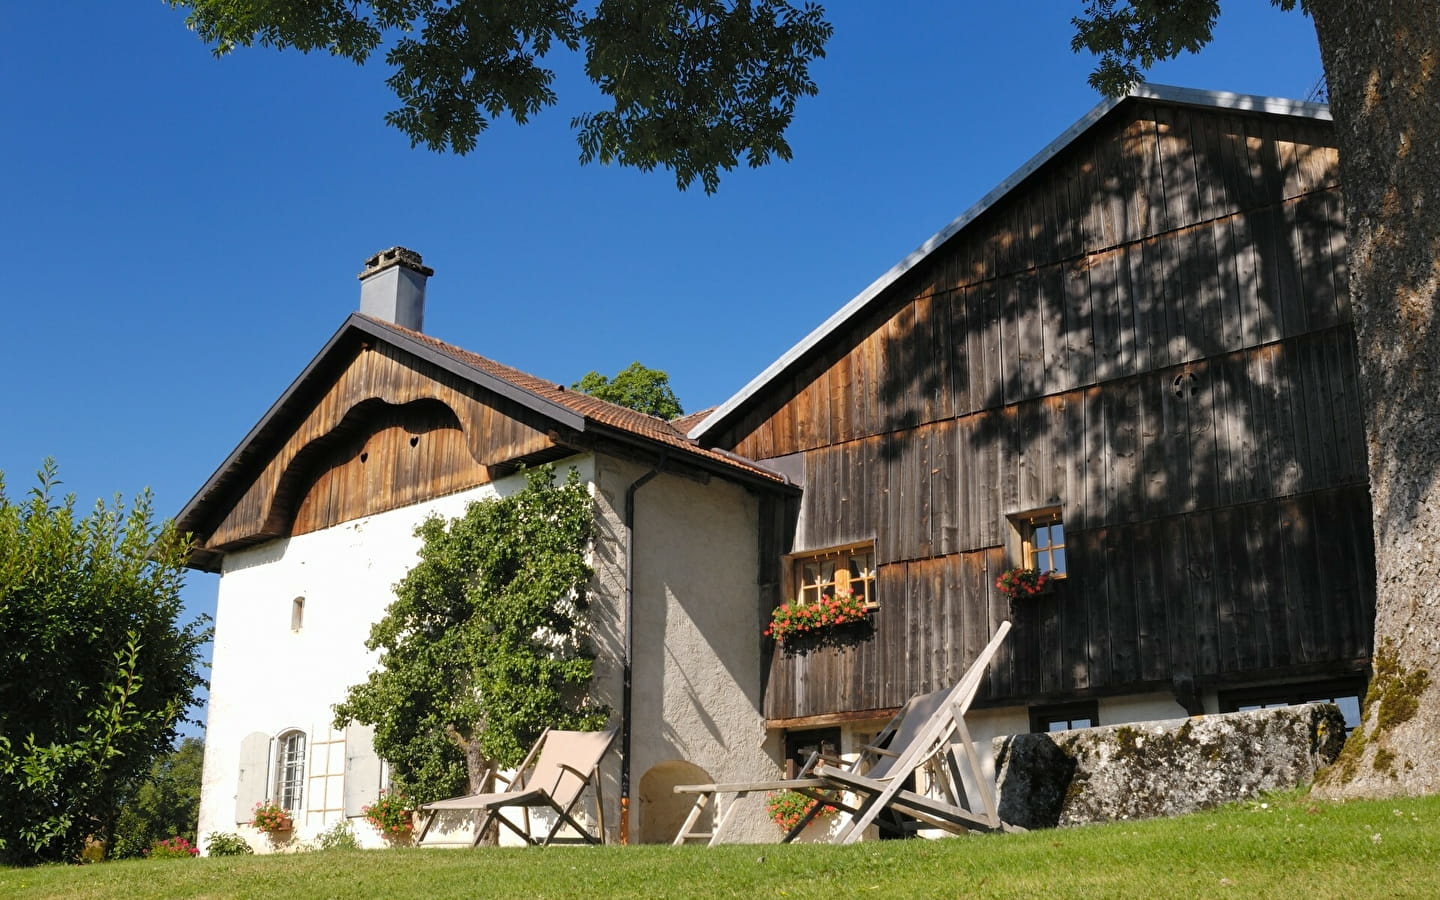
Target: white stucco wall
x,y
697,643
268,678
1140,708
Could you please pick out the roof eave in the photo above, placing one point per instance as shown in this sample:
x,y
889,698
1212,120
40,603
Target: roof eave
x,y
191,515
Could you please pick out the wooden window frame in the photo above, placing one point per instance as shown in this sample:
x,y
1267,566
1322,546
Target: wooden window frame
x,y
869,576
1022,532
1293,694
799,743
1041,717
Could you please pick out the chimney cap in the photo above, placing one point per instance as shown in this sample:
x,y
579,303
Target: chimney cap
x,y
395,256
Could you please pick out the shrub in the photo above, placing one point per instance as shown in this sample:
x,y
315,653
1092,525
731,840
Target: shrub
x,y
172,848
226,843
339,836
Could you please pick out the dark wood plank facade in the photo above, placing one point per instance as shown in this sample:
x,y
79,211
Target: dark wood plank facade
x,y
391,430
1152,333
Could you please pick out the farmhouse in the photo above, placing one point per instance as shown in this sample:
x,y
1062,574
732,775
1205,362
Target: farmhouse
x,y
1131,363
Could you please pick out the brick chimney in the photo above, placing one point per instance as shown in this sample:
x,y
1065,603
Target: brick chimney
x,y
392,287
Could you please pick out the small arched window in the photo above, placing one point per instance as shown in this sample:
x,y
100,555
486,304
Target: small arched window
x,y
290,769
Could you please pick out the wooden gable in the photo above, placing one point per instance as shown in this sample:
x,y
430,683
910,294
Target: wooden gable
x,y
383,429
1150,333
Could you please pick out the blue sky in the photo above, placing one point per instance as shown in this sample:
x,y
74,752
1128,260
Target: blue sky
x,y
181,234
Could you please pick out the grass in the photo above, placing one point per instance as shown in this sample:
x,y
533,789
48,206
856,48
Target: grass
x,y
1283,846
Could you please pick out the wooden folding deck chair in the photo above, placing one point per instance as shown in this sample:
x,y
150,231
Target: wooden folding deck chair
x,y
569,761
916,737
941,743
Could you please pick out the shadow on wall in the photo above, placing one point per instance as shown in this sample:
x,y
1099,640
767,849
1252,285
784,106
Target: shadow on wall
x,y
662,811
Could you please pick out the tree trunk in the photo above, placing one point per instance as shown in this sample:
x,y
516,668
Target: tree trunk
x,y
1382,62
479,774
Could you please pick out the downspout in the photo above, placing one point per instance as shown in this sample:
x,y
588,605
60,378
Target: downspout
x,y
627,663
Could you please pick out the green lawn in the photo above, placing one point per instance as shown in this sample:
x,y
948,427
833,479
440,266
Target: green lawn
x,y
1288,846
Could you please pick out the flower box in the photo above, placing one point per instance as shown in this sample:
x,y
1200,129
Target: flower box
x,y
830,611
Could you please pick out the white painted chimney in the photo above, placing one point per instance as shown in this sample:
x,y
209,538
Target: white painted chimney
x,y
392,287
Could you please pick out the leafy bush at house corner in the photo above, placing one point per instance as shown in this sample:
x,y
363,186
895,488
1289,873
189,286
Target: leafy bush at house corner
x,y
166,801
98,670
226,843
486,643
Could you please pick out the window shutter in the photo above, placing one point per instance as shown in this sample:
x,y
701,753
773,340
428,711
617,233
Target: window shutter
x,y
254,775
362,768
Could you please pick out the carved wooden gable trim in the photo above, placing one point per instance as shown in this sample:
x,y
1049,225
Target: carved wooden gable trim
x,y
390,431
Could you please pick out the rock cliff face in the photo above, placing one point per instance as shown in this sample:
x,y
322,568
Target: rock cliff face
x,y
1161,768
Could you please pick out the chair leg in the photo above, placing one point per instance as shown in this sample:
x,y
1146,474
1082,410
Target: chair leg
x,y
702,800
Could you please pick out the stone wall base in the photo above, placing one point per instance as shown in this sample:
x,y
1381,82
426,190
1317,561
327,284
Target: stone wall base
x,y
1163,768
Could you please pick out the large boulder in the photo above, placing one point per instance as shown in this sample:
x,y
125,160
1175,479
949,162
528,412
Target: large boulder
x,y
1161,768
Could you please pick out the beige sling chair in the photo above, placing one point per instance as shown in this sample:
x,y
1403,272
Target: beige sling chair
x,y
928,733
568,762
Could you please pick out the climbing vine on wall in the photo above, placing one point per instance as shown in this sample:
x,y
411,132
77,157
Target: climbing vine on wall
x,y
486,643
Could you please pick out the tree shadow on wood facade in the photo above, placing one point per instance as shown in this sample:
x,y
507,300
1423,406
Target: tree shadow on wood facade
x,y
1152,334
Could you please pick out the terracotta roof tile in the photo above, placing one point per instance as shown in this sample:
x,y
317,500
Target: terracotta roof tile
x,y
591,408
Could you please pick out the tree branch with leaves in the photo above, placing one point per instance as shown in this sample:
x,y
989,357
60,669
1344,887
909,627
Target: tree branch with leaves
x,y
695,86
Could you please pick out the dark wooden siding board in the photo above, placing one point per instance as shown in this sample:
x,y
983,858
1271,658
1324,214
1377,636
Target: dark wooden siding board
x,y
1120,607
958,353
1152,448
1068,435
1091,566
1078,323
1307,596
1342,400
1309,213
946,512
1002,671
1097,504
1200,577
1149,195
1175,601
1268,522
1182,196
1146,541
1203,450
1339,259
1232,617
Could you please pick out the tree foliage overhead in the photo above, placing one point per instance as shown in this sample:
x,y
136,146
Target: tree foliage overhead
x,y
637,387
1130,36
97,670
694,85
486,643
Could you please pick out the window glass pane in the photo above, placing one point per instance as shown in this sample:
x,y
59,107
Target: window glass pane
x,y
1057,534
1042,537
1081,723
1057,560
810,573
290,770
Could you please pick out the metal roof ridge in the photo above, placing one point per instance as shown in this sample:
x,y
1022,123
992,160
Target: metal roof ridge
x,y
1143,91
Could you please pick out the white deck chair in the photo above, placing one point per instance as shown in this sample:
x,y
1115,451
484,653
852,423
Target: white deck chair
x,y
568,762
